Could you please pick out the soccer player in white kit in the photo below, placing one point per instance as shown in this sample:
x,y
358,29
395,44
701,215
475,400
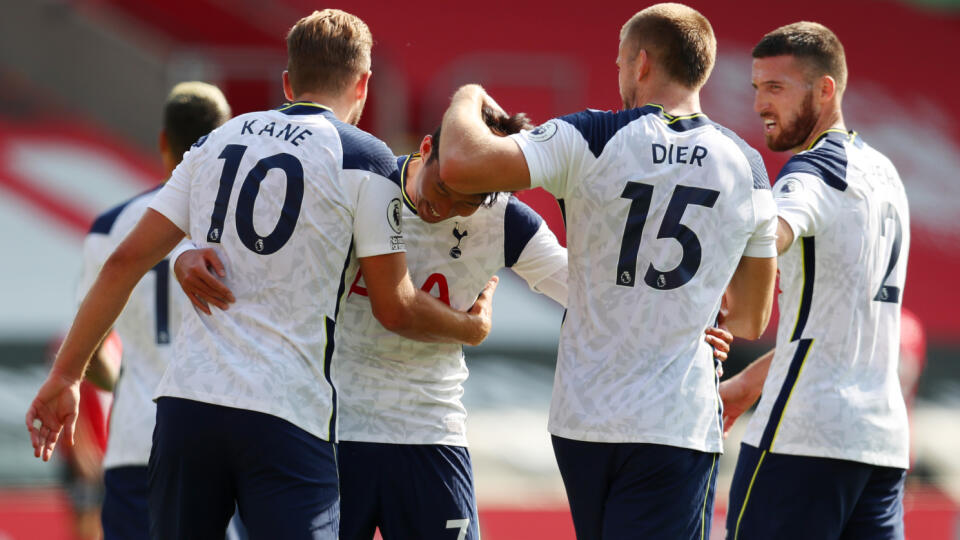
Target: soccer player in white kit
x,y
294,200
825,454
148,322
664,209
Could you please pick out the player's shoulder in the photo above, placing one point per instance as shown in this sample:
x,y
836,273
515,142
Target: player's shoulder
x,y
597,127
826,159
105,222
362,151
753,158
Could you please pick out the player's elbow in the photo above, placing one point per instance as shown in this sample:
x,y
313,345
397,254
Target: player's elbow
x,y
749,325
392,315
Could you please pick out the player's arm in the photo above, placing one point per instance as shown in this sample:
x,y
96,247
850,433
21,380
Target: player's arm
x,y
474,160
199,272
741,391
56,405
749,297
784,236
406,310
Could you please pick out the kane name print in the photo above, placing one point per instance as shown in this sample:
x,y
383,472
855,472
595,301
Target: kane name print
x,y
290,133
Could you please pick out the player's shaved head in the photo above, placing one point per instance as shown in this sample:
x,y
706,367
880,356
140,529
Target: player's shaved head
x,y
192,110
677,38
813,44
326,50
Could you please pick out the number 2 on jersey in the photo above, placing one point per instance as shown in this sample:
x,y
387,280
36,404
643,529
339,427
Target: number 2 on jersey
x,y
640,196
249,190
890,293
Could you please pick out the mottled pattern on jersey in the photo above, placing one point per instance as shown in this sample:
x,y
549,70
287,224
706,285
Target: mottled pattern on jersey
x,y
397,390
832,390
146,342
269,352
633,365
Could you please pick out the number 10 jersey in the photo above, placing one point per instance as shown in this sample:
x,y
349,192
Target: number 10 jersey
x,y
659,211
289,198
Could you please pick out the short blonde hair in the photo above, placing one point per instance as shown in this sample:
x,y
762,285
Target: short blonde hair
x,y
677,38
326,50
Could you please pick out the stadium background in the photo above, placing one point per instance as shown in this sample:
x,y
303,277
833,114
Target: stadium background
x,y
81,87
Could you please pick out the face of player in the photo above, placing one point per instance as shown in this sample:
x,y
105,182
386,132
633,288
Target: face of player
x,y
784,98
436,201
627,79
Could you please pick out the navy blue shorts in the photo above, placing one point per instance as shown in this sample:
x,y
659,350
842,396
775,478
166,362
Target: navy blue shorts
x,y
124,515
409,491
206,458
784,496
634,490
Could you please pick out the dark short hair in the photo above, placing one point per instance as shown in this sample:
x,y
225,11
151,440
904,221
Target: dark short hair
x,y
326,49
811,43
192,110
677,37
500,124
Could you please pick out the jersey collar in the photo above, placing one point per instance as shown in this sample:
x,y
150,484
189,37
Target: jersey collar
x,y
299,108
680,123
838,134
404,161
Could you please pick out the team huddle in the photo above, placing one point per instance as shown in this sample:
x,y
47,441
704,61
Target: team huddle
x,y
319,395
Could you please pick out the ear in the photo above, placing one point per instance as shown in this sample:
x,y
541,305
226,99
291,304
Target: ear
x,y
828,88
642,64
426,146
287,89
362,86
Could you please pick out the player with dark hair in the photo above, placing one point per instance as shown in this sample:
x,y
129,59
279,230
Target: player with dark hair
x,y
148,323
295,200
665,211
825,453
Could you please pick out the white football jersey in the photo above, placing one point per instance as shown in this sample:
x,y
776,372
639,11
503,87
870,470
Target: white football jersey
x,y
289,198
659,211
397,390
146,328
832,389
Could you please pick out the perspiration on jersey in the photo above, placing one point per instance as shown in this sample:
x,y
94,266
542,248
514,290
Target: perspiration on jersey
x,y
660,210
397,390
832,389
288,198
146,327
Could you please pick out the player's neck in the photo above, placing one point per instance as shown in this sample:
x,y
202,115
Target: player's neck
x,y
674,99
412,179
830,118
342,106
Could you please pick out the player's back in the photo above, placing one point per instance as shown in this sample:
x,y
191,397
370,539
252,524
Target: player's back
x,y
659,211
839,331
146,327
277,194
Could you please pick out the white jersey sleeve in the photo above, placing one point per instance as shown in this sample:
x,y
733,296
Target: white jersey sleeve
x,y
378,222
542,261
555,154
173,199
805,202
763,242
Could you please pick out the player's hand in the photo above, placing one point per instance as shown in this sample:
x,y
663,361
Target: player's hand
x,y
52,413
736,400
194,270
483,309
720,339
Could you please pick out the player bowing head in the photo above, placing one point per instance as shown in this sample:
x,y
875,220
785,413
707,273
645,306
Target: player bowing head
x,y
426,191
799,73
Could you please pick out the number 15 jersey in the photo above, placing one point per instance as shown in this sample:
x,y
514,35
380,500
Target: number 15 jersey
x,y
659,211
289,198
